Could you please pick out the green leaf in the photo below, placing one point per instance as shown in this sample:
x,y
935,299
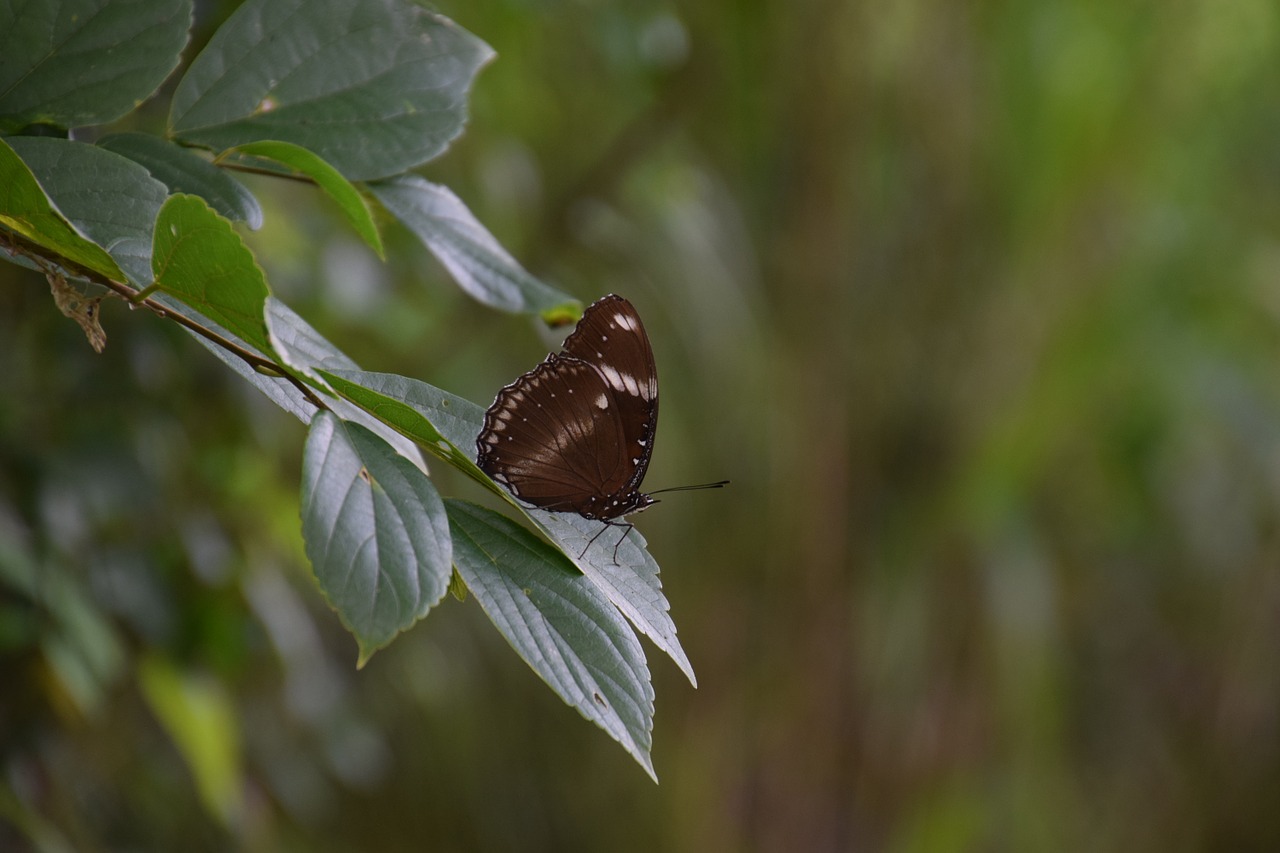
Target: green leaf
x,y
109,198
26,209
630,580
278,389
375,530
471,254
201,718
427,414
329,179
305,352
183,171
374,87
81,62
305,347
201,260
448,416
300,350
416,421
457,588
559,622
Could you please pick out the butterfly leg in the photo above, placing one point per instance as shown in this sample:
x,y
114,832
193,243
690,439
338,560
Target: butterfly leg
x,y
630,527
606,526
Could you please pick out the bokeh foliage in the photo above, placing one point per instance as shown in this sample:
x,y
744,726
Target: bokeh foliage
x,y
976,304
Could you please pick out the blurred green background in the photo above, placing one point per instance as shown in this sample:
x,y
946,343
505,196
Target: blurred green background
x,y
977,304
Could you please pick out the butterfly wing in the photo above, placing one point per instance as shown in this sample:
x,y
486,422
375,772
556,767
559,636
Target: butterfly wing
x,y
611,338
555,439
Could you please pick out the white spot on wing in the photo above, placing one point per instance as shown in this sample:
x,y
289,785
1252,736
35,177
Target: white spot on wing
x,y
612,377
624,321
619,381
602,402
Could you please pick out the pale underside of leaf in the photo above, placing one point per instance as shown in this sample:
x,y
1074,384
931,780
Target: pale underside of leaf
x,y
559,622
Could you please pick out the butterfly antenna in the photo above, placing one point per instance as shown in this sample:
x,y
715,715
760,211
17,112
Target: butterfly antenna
x,y
716,485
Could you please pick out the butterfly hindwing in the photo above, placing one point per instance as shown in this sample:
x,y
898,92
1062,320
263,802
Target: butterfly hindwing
x,y
552,438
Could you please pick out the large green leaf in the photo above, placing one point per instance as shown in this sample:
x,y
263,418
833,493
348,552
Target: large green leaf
x,y
184,171
374,87
329,179
278,389
26,209
108,198
81,62
375,531
454,418
301,350
471,254
624,571
201,260
559,622
306,348
408,419
627,575
305,353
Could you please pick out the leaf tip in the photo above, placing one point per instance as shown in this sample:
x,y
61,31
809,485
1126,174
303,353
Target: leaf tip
x,y
562,314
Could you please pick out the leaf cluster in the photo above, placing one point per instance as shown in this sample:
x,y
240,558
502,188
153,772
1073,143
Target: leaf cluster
x,y
348,95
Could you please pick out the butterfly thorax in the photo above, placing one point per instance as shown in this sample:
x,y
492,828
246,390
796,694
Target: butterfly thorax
x,y
617,507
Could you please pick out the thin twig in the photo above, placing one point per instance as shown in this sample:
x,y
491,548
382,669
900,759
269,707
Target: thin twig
x,y
41,255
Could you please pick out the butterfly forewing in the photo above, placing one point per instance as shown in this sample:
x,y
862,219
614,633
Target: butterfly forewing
x,y
612,339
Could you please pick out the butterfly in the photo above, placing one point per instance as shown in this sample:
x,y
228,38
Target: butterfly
x,y
575,434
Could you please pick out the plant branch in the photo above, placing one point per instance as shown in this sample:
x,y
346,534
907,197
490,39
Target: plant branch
x,y
134,297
